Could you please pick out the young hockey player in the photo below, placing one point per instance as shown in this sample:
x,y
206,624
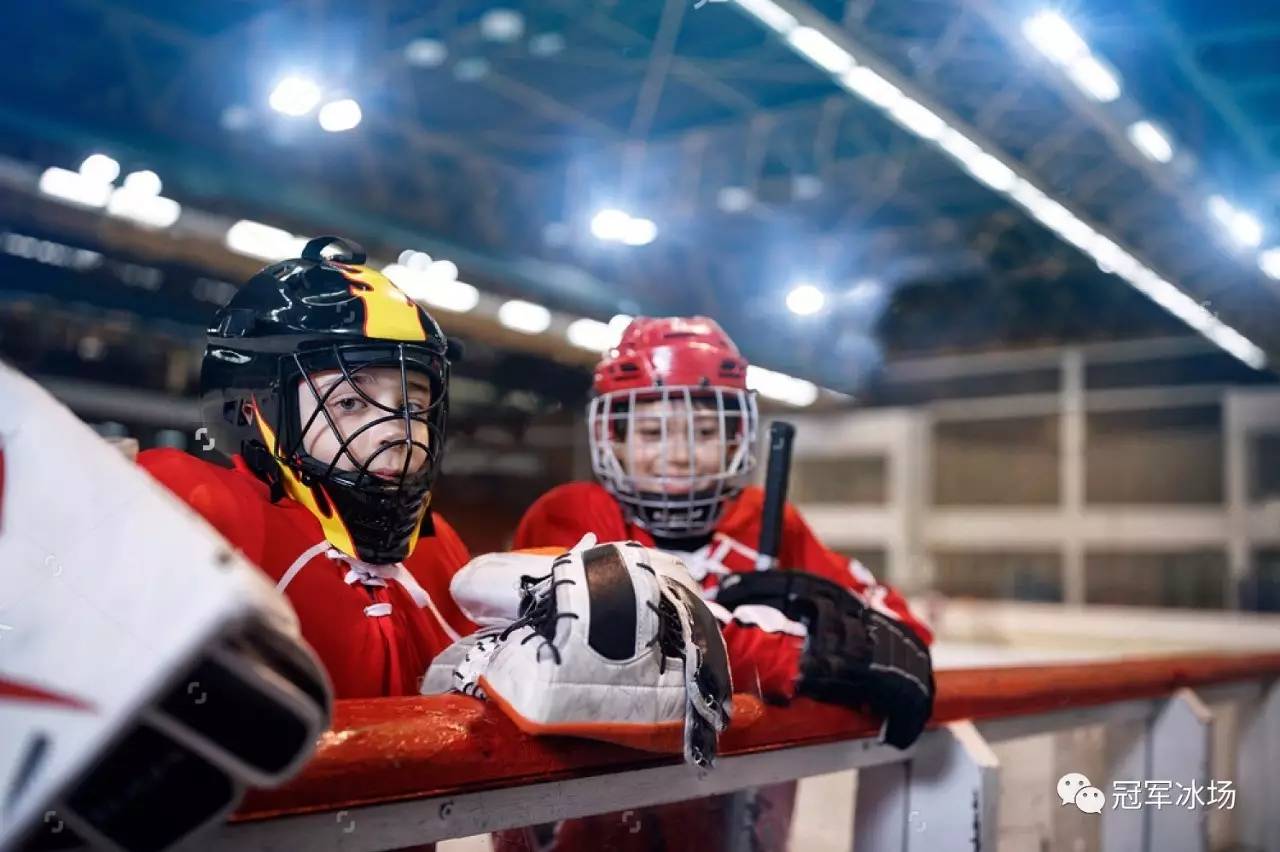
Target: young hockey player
x,y
672,433
328,388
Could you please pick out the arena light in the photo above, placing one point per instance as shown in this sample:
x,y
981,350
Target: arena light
x,y
143,183
436,286
254,239
640,232
610,224
144,208
734,199
592,335
770,14
502,25
426,53
74,187
1242,226
1151,141
524,317
781,387
295,96
820,50
917,118
805,300
1094,78
1057,39
100,168
870,86
340,115
1054,37
976,161
1269,262
619,323
614,225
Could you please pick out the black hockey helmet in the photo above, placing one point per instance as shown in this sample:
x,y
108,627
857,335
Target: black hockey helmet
x,y
327,310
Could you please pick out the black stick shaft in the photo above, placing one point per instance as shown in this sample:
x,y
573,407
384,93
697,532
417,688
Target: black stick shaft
x,y
781,436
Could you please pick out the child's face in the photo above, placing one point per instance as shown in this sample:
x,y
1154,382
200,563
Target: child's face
x,y
384,446
671,449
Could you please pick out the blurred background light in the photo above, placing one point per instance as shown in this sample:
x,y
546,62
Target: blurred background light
x,y
295,96
264,242
525,317
805,300
74,187
340,115
1150,140
100,168
143,183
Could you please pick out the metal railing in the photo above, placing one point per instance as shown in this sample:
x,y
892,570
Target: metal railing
x,y
398,772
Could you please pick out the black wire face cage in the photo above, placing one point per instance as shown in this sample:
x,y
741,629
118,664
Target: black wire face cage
x,y
413,481
679,500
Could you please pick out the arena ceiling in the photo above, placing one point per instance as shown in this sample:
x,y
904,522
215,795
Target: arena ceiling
x,y
758,168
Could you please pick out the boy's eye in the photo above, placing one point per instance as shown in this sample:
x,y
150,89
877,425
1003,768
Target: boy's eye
x,y
349,404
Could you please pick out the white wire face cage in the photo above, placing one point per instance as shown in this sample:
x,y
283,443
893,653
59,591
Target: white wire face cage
x,y
673,456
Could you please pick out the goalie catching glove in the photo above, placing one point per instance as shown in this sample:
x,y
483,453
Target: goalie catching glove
x,y
854,654
613,644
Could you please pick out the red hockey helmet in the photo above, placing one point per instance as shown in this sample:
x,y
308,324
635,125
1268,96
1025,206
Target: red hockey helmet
x,y
673,425
672,351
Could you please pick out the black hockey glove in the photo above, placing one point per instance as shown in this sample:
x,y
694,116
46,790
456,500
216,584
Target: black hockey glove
x,y
854,654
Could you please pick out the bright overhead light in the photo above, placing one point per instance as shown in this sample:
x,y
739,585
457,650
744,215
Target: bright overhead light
x,y
591,335
640,232
734,199
1242,226
815,46
337,116
439,289
426,53
442,271
66,185
1094,78
1149,139
976,161
870,86
781,387
619,323
805,300
1269,262
610,224
917,118
100,168
992,172
143,183
264,242
770,14
620,226
1058,40
295,96
546,44
144,208
1054,37
524,317
502,25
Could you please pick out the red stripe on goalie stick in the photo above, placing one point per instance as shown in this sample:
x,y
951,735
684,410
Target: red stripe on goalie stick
x,y
14,690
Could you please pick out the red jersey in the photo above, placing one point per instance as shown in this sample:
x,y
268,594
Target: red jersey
x,y
376,628
562,515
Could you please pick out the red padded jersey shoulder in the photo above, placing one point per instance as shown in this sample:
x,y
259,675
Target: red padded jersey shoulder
x,y
375,628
